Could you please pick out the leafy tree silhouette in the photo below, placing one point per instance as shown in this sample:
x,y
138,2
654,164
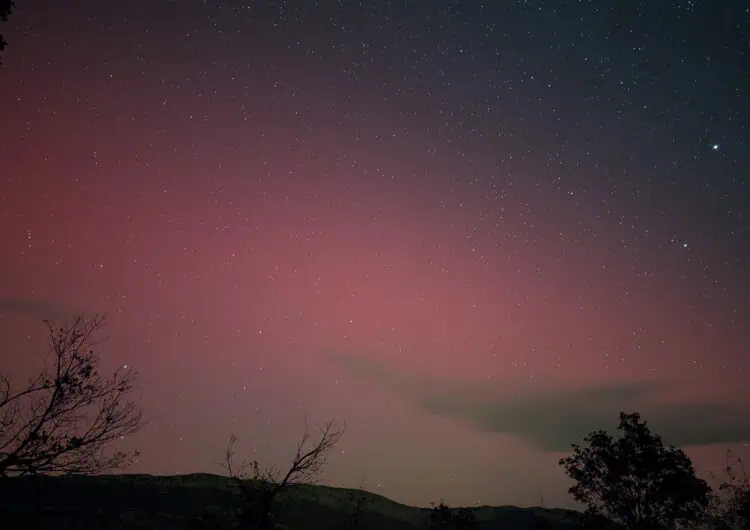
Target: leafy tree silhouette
x,y
66,418
6,7
442,517
259,489
635,481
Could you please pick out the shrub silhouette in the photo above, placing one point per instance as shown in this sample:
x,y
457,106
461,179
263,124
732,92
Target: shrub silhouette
x,y
442,517
635,481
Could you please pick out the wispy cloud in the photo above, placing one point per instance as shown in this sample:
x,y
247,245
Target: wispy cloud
x,y
553,420
34,307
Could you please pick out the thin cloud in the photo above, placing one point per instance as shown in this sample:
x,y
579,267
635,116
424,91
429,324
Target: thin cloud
x,y
34,307
554,420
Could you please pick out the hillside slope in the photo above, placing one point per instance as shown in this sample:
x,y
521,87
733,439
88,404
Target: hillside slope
x,y
177,502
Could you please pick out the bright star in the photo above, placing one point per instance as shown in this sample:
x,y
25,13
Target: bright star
x,y
715,147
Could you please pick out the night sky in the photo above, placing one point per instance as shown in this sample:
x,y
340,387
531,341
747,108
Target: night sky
x,y
474,232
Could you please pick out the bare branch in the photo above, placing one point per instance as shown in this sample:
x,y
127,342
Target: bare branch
x,y
67,417
259,488
732,503
308,463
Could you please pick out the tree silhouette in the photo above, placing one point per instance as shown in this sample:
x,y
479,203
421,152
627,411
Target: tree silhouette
x,y
259,489
442,517
66,418
6,7
732,509
636,481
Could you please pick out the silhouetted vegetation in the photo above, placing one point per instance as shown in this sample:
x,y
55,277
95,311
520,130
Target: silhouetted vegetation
x,y
67,418
259,489
635,481
6,7
203,501
442,517
732,502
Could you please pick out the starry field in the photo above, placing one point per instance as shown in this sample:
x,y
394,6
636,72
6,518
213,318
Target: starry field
x,y
474,232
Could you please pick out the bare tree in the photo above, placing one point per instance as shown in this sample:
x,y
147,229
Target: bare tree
x,y
260,488
66,419
731,509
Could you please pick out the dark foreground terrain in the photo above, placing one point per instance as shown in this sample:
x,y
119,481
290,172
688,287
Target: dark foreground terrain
x,y
207,501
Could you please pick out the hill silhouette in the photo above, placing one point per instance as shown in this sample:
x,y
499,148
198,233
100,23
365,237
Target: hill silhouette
x,y
136,501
